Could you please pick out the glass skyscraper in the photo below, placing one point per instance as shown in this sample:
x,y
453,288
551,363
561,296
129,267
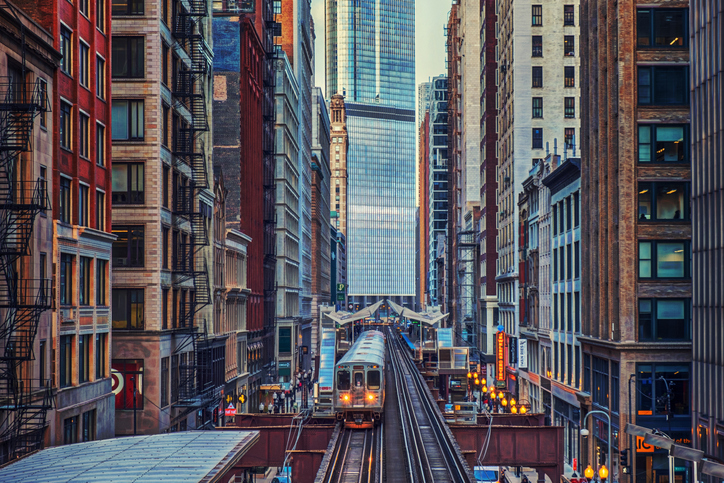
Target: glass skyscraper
x,y
371,62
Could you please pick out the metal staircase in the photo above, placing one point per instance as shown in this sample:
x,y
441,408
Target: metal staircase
x,y
23,402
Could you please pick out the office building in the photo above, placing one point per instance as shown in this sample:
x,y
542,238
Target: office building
x,y
370,61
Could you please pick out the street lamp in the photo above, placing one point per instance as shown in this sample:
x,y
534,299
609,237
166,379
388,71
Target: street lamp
x,y
588,473
608,418
603,472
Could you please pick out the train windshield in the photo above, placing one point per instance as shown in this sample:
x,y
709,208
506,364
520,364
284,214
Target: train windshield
x,y
343,380
373,380
359,379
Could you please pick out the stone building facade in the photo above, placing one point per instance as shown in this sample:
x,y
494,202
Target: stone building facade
x,y
636,290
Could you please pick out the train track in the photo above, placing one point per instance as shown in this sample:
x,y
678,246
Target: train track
x,y
357,457
430,455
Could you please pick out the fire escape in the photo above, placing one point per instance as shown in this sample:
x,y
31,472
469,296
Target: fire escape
x,y
272,27
24,401
190,268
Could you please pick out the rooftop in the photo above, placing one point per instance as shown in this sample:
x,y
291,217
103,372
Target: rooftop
x,y
184,457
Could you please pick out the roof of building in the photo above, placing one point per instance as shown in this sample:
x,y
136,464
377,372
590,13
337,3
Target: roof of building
x,y
183,457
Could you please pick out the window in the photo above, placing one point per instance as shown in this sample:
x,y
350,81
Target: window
x,y
83,205
128,308
101,279
587,373
166,176
85,281
577,252
128,57
569,134
84,64
164,382
100,77
66,360
373,380
537,138
84,147
285,340
165,56
64,200
569,74
664,319
127,120
101,16
569,15
164,246
131,371
165,125
663,85
66,279
101,355
658,27
43,85
128,247
66,123
537,76
343,380
100,144
600,381
663,201
66,47
70,430
664,259
663,389
84,358
537,15
663,143
127,7
42,357
569,45
614,386
569,109
537,112
576,209
100,210
128,183
89,425
537,46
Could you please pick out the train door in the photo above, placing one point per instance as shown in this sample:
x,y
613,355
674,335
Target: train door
x,y
358,387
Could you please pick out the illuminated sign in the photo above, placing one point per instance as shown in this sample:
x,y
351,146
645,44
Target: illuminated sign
x,y
500,356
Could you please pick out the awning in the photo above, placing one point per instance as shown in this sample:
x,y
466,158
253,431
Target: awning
x,y
429,318
344,318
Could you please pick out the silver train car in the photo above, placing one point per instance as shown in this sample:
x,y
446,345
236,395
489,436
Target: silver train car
x,y
359,382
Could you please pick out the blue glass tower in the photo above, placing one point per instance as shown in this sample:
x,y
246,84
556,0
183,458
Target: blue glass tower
x,y
371,62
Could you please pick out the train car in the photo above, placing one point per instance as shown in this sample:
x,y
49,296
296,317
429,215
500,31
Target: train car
x,y
359,383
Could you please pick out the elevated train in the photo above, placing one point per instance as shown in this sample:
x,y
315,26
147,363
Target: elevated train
x,y
359,382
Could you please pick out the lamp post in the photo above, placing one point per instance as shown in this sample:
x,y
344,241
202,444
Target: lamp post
x,y
608,418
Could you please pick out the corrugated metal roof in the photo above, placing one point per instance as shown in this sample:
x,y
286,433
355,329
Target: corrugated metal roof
x,y
185,457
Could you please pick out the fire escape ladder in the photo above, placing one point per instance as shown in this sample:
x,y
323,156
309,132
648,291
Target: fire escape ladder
x,y
195,386
23,402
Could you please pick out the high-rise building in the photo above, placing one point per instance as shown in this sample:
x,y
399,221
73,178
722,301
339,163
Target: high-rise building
x,y
338,151
423,183
27,75
163,349
707,132
538,94
488,223
371,62
635,227
438,196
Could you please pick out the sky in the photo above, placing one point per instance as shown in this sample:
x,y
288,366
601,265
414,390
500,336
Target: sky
x,y
430,18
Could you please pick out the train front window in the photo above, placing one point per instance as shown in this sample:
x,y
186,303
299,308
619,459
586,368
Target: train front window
x,y
343,380
359,379
373,380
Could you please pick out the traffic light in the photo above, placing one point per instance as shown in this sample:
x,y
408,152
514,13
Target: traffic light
x,y
624,462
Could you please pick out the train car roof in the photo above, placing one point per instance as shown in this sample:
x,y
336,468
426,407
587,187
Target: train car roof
x,y
369,348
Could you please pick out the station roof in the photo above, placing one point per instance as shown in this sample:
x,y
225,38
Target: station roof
x,y
429,318
344,318
184,457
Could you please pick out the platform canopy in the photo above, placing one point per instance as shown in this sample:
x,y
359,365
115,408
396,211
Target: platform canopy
x,y
344,318
182,457
428,318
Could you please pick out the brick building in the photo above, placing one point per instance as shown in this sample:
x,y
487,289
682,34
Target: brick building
x,y
28,61
167,363
82,238
635,228
423,185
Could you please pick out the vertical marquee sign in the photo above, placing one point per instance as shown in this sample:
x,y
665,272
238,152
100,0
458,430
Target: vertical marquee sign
x,y
500,353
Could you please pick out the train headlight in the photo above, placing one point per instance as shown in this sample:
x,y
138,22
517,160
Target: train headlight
x,y
345,397
371,397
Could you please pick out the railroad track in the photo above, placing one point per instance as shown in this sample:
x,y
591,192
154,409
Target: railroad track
x,y
430,455
356,457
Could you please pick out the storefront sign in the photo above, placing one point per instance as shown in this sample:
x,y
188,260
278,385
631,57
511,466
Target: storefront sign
x,y
230,410
523,353
500,373
642,447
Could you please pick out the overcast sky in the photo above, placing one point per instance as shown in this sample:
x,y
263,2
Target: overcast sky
x,y
430,17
